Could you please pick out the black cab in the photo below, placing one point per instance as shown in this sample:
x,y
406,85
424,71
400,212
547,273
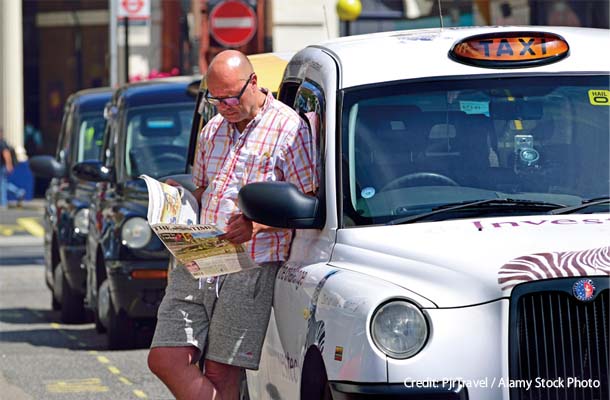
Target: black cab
x,y
67,200
148,132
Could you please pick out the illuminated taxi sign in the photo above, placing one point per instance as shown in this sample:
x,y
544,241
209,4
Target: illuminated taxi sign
x,y
510,49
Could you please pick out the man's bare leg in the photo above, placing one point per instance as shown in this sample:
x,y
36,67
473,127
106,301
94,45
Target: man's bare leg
x,y
176,367
225,379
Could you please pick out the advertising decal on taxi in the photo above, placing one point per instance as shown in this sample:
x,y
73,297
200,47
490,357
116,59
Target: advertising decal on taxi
x,y
564,264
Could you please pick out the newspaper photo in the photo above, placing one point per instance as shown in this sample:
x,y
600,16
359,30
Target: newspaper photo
x,y
173,216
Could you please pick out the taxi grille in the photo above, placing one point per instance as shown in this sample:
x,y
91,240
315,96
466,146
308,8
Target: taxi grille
x,y
558,343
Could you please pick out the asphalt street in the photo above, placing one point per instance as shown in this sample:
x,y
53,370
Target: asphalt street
x,y
41,358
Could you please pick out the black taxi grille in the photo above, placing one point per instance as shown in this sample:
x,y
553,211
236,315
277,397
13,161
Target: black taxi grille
x,y
559,344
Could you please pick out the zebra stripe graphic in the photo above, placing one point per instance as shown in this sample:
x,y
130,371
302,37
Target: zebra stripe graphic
x,y
554,265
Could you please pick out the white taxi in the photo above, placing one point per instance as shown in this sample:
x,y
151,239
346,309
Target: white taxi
x,y
459,243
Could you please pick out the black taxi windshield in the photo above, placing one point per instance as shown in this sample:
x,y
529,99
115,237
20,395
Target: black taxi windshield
x,y
410,148
157,139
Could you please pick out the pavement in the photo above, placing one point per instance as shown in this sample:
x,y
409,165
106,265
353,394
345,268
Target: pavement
x,y
22,224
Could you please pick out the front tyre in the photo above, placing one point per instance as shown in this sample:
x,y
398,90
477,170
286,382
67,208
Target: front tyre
x,y
244,394
72,307
56,289
121,330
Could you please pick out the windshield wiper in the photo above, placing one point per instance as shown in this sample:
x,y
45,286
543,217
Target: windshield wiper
x,y
470,205
583,205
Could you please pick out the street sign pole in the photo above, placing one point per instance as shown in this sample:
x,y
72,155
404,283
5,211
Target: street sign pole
x,y
126,49
112,26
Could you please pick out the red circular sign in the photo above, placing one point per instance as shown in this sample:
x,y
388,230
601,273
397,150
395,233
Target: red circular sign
x,y
232,23
132,6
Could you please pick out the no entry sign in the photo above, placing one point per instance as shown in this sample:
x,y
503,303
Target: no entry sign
x,y
134,9
232,23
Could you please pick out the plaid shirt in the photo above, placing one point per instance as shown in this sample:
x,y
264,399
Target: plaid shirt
x,y
275,146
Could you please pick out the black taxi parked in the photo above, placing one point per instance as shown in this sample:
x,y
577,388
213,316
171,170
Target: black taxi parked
x,y
67,199
148,130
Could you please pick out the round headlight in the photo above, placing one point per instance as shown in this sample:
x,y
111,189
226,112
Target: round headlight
x,y
81,221
135,233
399,329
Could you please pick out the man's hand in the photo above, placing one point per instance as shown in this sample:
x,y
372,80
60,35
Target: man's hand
x,y
239,229
172,182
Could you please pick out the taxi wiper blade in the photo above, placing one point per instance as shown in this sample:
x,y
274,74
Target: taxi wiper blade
x,y
583,205
487,203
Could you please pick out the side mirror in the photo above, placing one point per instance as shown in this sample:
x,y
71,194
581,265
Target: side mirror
x,y
47,167
281,205
92,170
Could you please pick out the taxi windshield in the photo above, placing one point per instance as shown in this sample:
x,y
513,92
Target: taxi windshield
x,y
411,148
157,139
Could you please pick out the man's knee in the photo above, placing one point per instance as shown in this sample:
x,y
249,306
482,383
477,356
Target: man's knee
x,y
166,360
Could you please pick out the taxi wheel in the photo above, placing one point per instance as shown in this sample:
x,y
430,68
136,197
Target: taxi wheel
x,y
121,330
327,395
55,306
72,307
56,291
99,328
243,386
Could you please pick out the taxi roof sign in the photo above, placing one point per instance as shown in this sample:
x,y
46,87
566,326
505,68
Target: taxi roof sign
x,y
510,49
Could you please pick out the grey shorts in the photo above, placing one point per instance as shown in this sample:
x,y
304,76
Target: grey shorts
x,y
227,319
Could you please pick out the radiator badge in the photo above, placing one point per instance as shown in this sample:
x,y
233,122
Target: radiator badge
x,y
583,289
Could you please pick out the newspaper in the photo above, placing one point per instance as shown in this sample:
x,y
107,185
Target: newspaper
x,y
172,215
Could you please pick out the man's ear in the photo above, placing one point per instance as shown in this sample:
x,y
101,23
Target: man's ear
x,y
254,81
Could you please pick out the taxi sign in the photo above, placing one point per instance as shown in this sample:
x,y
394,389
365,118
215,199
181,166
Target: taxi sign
x,y
510,49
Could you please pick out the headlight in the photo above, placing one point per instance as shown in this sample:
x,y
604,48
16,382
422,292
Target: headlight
x,y
135,233
399,329
81,221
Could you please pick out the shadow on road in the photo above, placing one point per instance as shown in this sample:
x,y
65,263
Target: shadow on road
x,y
39,327
20,261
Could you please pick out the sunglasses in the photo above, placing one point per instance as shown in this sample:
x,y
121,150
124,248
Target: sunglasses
x,y
230,101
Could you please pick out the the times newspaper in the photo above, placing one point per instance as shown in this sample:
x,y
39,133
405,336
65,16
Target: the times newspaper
x,y
173,215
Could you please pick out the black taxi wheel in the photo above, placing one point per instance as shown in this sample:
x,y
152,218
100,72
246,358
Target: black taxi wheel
x,y
121,330
57,287
72,307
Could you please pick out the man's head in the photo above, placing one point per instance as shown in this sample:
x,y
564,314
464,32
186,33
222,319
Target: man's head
x,y
232,86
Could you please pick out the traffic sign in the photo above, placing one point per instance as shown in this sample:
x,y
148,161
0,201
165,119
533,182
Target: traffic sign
x,y
134,9
232,23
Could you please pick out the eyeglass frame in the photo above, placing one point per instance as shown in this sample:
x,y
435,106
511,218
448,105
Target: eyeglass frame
x,y
215,101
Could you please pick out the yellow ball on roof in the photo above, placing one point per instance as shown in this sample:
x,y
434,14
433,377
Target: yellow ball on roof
x,y
349,10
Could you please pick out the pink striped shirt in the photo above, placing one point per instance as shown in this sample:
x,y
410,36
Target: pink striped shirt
x,y
275,146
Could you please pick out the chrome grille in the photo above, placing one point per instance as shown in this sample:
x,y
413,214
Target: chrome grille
x,y
559,343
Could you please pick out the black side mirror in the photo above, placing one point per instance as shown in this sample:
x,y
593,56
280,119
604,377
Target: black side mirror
x,y
281,205
92,170
47,167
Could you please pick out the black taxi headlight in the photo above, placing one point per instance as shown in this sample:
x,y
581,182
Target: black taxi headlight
x,y
136,233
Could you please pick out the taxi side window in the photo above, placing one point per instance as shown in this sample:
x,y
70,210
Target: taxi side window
x,y
310,104
63,148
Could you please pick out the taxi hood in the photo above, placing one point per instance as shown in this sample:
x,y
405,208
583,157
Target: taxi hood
x,y
465,262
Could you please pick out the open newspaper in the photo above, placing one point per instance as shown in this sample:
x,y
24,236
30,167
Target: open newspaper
x,y
173,215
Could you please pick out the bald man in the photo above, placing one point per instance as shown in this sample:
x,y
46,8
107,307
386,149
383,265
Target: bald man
x,y
253,138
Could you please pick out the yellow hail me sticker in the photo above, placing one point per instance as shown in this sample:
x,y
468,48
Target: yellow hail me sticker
x,y
510,49
599,97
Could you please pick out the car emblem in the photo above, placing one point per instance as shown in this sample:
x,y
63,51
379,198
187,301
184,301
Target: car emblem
x,y
583,289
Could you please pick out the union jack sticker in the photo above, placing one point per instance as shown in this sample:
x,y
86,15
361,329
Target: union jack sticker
x,y
584,289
